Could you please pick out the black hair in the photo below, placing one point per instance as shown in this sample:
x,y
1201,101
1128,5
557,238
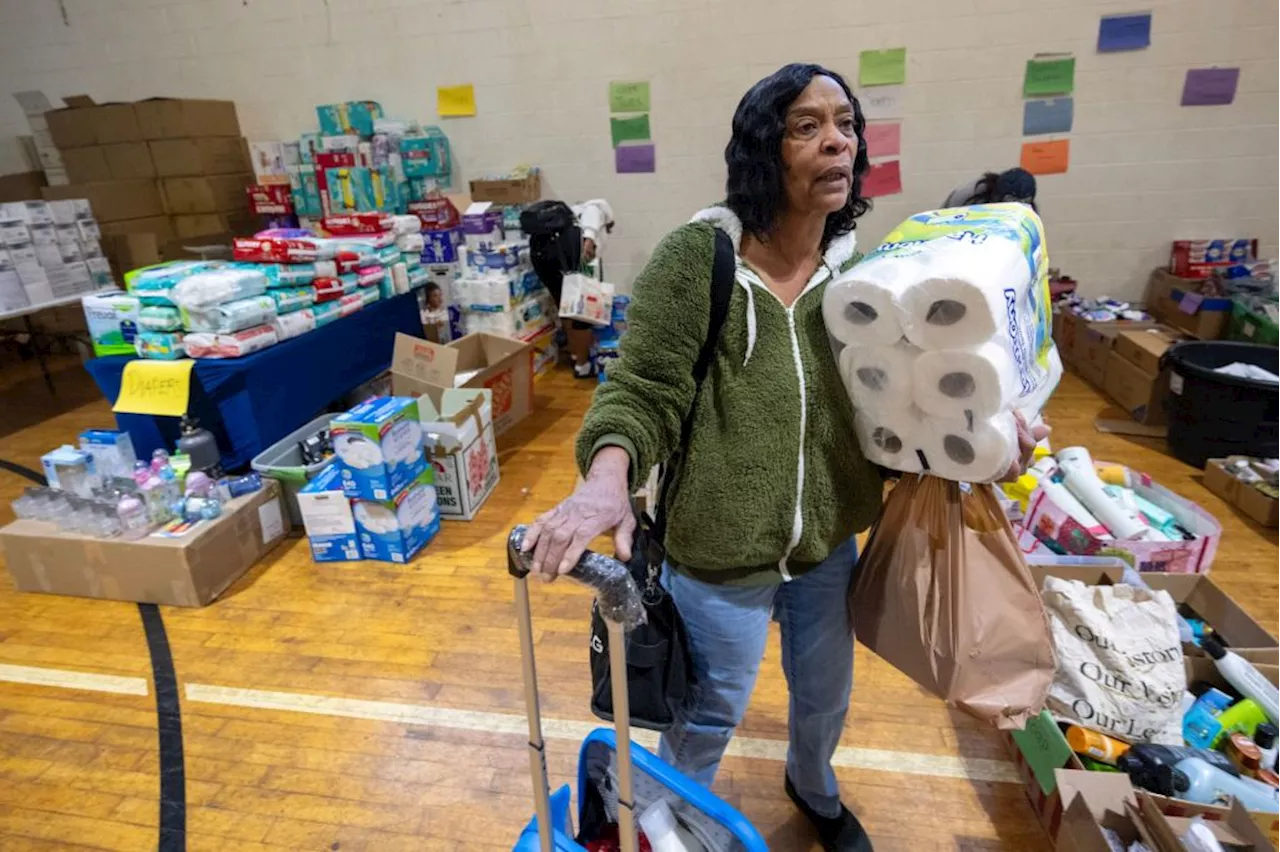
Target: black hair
x,y
1013,185
754,189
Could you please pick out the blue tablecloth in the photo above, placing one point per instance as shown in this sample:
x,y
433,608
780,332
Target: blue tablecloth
x,y
250,403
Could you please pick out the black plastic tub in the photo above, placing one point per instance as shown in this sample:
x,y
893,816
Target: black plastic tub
x,y
1212,415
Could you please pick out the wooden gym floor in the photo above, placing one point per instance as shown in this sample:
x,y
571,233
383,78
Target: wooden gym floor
x,y
375,707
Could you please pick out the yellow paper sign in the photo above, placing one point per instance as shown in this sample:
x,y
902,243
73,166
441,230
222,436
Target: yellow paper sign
x,y
155,387
455,101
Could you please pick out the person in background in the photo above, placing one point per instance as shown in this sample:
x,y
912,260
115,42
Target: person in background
x,y
1011,185
765,501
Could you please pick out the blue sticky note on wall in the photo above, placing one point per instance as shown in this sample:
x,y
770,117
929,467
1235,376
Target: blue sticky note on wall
x,y
1124,32
1051,116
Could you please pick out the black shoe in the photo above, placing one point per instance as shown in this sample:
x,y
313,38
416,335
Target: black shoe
x,y
838,834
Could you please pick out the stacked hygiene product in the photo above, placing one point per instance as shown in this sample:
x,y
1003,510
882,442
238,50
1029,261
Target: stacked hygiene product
x,y
225,311
498,292
377,500
159,322
942,333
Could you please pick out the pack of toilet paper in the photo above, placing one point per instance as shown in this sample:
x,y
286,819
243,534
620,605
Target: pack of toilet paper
x,y
395,529
941,334
379,446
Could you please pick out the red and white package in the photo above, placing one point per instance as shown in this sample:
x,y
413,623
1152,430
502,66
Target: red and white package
x,y
328,288
355,224
208,345
349,304
342,263
436,213
270,199
370,276
279,249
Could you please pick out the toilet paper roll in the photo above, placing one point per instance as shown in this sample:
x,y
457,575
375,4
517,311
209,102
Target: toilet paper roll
x,y
890,438
967,293
980,450
978,379
859,306
879,378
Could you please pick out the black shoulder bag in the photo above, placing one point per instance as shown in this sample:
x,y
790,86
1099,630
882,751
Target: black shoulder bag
x,y
659,669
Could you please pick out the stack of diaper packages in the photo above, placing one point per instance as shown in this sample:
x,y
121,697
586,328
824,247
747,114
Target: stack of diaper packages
x,y
225,311
159,323
380,467
941,334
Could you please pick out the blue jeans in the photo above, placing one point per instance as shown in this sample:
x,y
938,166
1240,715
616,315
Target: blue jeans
x,y
728,627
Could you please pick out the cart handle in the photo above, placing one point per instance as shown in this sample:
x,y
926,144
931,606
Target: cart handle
x,y
616,592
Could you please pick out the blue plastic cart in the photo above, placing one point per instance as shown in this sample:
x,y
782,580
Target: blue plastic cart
x,y
617,779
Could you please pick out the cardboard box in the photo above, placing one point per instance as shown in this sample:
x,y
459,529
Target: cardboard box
x,y
1251,502
462,449
82,123
396,528
210,155
1145,348
1093,342
209,224
179,118
190,570
523,191
1236,831
113,200
221,193
327,518
1176,301
129,160
1199,258
1138,392
378,446
502,365
86,165
160,226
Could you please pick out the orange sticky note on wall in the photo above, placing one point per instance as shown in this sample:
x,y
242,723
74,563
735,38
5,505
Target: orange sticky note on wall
x,y
1046,158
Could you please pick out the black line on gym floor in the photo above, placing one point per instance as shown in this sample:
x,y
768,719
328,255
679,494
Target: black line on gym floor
x,y
173,779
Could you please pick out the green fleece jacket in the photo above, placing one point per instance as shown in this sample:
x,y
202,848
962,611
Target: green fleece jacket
x,y
773,480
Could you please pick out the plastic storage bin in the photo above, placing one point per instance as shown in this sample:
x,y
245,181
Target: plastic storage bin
x,y
282,461
1212,415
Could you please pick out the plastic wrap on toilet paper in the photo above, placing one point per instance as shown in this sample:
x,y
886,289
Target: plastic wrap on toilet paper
x,y
159,318
217,286
290,299
978,379
231,316
859,307
879,378
209,345
292,324
890,438
978,450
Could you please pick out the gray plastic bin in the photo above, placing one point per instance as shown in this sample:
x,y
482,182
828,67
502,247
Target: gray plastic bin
x,y
282,461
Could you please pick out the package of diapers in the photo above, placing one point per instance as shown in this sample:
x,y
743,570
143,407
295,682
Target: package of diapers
x,y
394,530
325,313
218,286
941,334
281,274
230,316
160,318
289,299
211,345
379,445
292,324
161,345
153,285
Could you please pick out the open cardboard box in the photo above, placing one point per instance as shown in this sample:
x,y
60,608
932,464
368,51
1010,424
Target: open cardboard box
x,y
1250,501
461,448
481,360
188,570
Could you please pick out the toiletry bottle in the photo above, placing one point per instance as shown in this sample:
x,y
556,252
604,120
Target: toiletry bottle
x,y
1242,717
1244,753
1200,725
1098,746
1196,781
1241,674
1142,762
1264,736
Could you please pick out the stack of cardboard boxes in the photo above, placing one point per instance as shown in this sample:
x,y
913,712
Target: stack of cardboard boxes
x,y
153,171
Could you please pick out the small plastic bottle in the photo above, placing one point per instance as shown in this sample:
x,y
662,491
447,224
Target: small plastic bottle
x,y
134,522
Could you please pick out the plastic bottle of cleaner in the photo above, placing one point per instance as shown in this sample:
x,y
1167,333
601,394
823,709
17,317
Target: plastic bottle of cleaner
x,y
1265,738
1098,746
1241,674
1196,781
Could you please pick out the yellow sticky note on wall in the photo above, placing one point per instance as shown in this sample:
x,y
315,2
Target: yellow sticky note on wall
x,y
454,101
155,387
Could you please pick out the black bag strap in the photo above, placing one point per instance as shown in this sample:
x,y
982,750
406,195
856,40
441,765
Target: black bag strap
x,y
723,268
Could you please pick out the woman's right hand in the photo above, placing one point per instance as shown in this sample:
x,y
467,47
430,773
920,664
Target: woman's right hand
x,y
601,503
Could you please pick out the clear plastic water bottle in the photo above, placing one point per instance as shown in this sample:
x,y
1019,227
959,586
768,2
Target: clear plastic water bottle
x,y
134,521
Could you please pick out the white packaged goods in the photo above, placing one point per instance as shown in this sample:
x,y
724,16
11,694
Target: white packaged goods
x,y
1120,668
216,286
209,345
586,299
942,333
229,317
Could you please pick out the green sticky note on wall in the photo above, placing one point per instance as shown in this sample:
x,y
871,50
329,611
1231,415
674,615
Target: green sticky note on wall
x,y
629,96
632,129
1049,77
1045,749
882,67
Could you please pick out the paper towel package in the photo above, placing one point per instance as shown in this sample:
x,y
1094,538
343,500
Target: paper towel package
x,y
941,334
395,530
327,518
379,446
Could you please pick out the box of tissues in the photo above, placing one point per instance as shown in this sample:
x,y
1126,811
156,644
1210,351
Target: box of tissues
x,y
378,445
326,515
395,530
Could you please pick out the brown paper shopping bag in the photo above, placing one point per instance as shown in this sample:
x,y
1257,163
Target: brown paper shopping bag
x,y
944,595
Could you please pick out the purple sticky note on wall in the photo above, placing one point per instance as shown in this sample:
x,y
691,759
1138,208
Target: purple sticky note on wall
x,y
1210,86
634,159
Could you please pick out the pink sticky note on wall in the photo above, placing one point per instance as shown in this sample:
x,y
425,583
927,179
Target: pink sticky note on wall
x,y
883,179
884,139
